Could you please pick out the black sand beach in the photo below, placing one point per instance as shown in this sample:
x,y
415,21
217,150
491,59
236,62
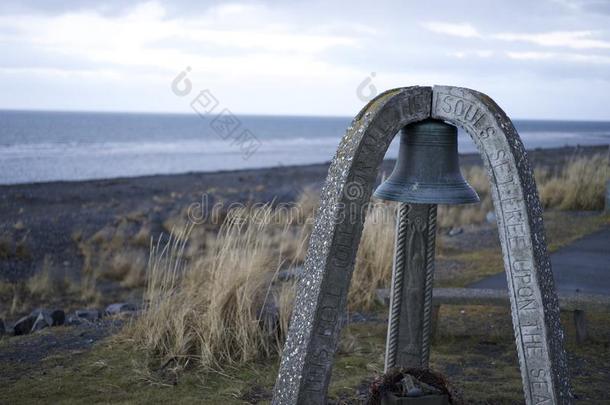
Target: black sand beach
x,y
45,218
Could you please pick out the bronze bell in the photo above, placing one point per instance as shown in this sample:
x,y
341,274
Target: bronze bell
x,y
427,170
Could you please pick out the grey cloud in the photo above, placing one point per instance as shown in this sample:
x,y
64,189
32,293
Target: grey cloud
x,y
390,38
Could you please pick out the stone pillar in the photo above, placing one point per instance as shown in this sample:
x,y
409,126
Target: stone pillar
x,y
409,324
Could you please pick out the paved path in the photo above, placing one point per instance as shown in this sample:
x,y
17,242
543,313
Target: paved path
x,y
582,266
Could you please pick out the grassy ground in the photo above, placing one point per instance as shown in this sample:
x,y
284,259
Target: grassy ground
x,y
473,348
200,339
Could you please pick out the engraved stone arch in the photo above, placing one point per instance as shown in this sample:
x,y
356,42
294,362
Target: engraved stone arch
x,y
312,340
534,304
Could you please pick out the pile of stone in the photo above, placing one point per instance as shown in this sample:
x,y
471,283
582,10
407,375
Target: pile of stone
x,y
41,318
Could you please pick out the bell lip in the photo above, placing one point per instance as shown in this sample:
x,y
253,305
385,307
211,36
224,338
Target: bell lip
x,y
426,194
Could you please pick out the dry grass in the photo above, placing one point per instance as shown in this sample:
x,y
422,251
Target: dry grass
x,y
143,237
45,282
20,298
89,273
459,215
218,309
15,249
117,252
48,285
211,296
129,266
300,218
306,206
373,267
13,298
580,185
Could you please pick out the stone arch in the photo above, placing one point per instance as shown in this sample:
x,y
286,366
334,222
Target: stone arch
x,y
534,304
312,340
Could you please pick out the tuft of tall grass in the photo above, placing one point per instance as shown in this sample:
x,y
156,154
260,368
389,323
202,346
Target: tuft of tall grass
x,y
50,281
212,310
579,186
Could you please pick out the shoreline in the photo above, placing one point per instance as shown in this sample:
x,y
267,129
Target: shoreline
x,y
466,159
48,221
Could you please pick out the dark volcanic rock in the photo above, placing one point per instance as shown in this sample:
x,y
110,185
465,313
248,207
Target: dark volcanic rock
x,y
56,317
59,317
24,325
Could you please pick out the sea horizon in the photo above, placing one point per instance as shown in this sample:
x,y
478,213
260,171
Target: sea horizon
x,y
191,113
45,146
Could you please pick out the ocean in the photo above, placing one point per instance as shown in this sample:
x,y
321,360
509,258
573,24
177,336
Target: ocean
x,y
50,146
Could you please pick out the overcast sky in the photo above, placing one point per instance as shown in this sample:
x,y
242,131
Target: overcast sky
x,y
537,59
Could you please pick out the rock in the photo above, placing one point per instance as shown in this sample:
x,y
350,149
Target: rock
x,y
115,309
59,317
83,315
490,217
37,311
2,328
74,320
24,325
43,320
290,273
455,231
382,296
